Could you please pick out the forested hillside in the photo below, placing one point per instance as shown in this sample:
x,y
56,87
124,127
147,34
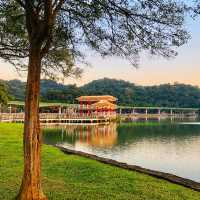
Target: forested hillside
x,y
4,95
176,95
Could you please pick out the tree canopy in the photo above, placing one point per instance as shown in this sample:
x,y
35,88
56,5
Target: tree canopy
x,y
124,28
167,95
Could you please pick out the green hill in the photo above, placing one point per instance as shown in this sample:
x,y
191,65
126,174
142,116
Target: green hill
x,y
171,95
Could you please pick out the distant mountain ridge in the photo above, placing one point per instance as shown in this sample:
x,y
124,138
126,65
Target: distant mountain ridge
x,y
173,95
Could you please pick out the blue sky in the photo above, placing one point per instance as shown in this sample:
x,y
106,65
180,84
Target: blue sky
x,y
185,68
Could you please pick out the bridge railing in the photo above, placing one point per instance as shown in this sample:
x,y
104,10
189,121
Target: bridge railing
x,y
50,116
11,116
56,116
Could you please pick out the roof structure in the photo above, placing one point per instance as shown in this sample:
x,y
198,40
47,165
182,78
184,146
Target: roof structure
x,y
104,104
97,98
42,104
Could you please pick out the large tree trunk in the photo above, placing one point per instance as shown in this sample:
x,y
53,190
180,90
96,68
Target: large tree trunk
x,y
31,182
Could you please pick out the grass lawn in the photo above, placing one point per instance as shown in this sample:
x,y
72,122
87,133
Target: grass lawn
x,y
74,177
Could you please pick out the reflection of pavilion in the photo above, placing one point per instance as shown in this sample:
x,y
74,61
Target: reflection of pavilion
x,y
97,136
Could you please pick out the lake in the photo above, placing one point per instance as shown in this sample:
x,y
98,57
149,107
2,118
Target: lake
x,y
171,147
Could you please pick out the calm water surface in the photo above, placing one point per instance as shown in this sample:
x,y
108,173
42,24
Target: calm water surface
x,y
167,147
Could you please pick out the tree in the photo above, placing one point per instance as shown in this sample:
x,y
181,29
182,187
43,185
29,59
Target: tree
x,y
51,35
197,7
4,96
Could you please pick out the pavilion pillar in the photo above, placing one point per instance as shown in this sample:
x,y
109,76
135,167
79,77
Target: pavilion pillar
x,y
81,108
159,111
85,109
90,111
88,106
60,110
171,112
133,111
10,109
146,111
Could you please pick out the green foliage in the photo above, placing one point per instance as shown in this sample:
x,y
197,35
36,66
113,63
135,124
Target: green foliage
x,y
24,24
54,92
64,30
16,89
73,177
167,95
4,96
123,90
176,95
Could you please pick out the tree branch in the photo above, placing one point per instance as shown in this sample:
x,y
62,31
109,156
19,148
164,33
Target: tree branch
x,y
21,3
58,7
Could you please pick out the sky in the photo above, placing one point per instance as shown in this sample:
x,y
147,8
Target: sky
x,y
185,68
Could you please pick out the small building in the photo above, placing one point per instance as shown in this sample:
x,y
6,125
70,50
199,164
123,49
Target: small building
x,y
104,105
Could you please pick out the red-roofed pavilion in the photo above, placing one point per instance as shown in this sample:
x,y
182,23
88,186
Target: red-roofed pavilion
x,y
104,105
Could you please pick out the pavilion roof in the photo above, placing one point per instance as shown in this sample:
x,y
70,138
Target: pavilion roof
x,y
104,104
97,98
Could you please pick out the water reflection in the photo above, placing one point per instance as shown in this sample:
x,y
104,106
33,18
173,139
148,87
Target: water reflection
x,y
173,148
101,136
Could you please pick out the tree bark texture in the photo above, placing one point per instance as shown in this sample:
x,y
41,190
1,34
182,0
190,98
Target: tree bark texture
x,y
31,183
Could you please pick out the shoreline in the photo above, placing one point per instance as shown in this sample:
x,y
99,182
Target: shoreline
x,y
161,175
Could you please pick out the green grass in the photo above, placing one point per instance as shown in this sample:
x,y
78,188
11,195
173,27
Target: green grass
x,y
74,177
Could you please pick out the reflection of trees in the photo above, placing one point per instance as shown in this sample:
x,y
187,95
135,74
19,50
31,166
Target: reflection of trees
x,y
97,135
130,133
107,136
